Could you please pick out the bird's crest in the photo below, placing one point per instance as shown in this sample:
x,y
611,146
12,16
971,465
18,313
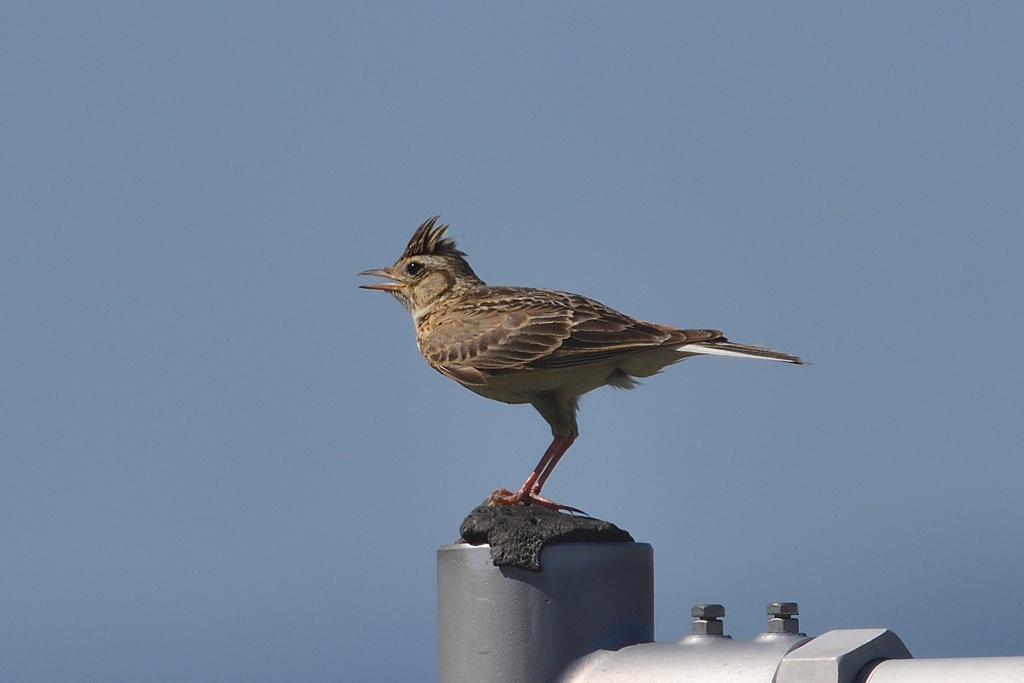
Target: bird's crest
x,y
430,240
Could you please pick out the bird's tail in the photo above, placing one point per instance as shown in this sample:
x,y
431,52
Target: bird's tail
x,y
722,347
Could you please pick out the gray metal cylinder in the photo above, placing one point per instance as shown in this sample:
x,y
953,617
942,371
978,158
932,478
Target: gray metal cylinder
x,y
507,625
962,670
694,659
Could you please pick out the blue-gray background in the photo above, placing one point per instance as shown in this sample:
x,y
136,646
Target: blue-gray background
x,y
223,461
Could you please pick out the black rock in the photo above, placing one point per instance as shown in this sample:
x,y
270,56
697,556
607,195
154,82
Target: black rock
x,y
517,533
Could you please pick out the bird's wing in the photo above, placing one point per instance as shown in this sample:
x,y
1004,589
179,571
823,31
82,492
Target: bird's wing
x,y
510,329
599,333
494,333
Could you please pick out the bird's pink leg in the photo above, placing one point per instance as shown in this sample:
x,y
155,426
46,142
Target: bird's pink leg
x,y
529,492
552,461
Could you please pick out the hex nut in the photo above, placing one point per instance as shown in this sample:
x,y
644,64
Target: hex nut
x,y
712,627
777,625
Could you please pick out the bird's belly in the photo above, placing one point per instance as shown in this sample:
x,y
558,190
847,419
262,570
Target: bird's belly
x,y
520,387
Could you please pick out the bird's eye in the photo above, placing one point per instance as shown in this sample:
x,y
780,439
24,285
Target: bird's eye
x,y
414,268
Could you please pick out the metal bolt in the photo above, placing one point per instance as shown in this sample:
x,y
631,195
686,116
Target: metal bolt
x,y
783,617
707,620
783,609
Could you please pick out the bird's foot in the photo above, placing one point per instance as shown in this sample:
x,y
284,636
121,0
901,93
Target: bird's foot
x,y
506,497
503,497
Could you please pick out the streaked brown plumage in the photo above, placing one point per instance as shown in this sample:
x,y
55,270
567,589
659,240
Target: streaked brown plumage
x,y
536,346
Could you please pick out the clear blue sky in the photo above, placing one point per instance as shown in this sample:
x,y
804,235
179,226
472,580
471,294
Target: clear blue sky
x,y
221,461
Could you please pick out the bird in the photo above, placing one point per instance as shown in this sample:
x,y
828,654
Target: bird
x,y
529,345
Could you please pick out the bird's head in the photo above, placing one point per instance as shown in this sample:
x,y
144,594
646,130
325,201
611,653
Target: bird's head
x,y
429,270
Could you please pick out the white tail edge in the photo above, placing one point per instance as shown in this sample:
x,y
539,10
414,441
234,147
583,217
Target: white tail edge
x,y
739,351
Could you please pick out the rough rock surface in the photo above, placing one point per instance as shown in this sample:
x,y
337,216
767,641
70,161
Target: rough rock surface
x,y
517,533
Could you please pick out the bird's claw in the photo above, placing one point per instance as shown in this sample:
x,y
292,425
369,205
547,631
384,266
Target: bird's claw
x,y
506,497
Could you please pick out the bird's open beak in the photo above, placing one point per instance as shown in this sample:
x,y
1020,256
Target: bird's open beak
x,y
383,286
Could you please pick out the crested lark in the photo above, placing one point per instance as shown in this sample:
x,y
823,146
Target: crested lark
x,y
536,346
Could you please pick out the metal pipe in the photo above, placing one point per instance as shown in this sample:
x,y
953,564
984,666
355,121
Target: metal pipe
x,y
694,659
508,625
948,670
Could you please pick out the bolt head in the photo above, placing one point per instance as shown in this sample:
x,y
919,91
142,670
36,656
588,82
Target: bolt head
x,y
783,609
707,611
